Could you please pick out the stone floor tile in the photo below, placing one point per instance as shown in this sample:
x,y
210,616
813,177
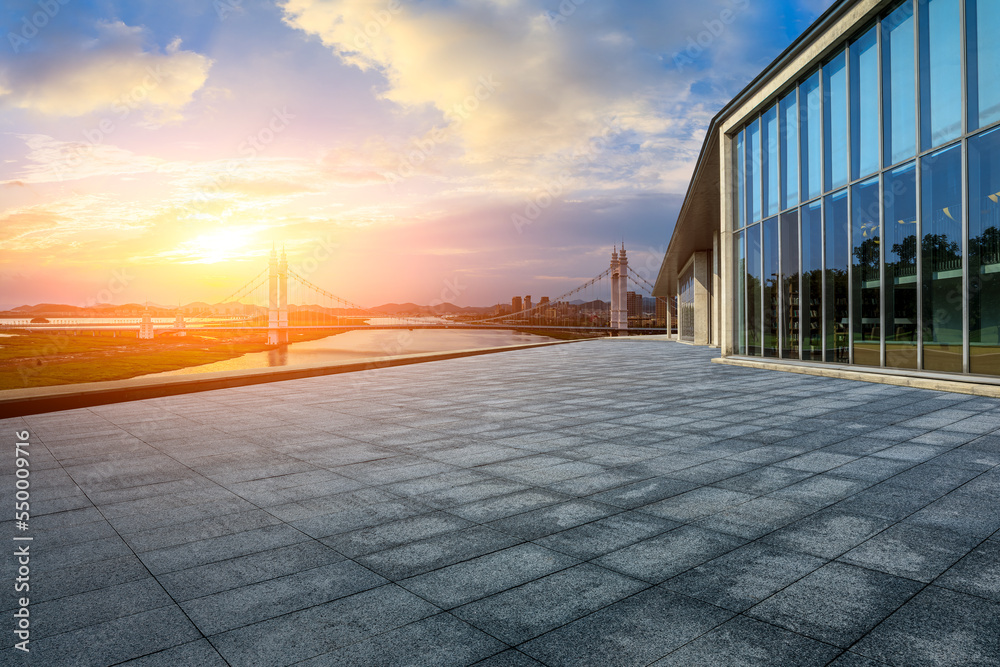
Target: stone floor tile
x,y
827,533
252,603
479,577
757,517
522,613
745,576
911,551
241,571
978,573
634,631
606,535
301,635
937,627
415,558
438,640
539,523
698,503
837,603
668,554
744,642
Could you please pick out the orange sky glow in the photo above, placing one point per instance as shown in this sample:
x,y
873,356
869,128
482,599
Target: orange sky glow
x,y
396,148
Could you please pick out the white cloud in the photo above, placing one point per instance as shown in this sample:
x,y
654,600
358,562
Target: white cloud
x,y
111,73
51,160
519,91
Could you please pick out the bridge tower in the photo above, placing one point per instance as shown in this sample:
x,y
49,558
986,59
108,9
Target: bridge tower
x,y
277,298
272,298
613,315
622,289
179,323
283,297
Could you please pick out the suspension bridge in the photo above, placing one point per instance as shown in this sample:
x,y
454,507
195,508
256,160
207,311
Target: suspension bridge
x,y
278,301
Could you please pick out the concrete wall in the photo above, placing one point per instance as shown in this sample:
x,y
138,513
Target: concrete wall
x,y
702,298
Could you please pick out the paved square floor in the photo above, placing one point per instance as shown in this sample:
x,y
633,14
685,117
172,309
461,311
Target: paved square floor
x,y
599,503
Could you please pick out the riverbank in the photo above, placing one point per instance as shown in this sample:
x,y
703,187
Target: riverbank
x,y
44,360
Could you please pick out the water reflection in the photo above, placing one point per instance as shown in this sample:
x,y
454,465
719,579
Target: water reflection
x,y
361,345
278,356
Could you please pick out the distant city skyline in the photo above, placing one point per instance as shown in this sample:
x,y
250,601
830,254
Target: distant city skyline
x,y
407,152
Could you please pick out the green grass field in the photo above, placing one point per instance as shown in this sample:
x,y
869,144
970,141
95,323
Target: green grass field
x,y
41,360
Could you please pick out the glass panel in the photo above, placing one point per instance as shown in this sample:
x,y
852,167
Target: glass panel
x,y
941,225
812,282
753,171
811,134
865,234
753,291
984,253
864,105
741,295
771,287
835,117
983,17
940,71
686,308
740,180
789,152
835,296
790,285
899,85
769,129
900,199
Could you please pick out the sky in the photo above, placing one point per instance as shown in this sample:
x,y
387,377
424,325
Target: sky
x,y
399,150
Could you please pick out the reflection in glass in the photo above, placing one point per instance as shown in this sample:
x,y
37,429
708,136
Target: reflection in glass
x,y
789,151
752,168
864,105
771,287
741,295
982,19
940,71
899,85
740,179
900,197
789,231
753,291
941,225
866,276
984,253
835,295
812,282
769,129
811,134
685,307
835,117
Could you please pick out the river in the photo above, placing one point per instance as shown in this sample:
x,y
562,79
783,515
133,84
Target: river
x,y
360,345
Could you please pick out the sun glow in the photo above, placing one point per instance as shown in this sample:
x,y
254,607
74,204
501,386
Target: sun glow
x,y
221,245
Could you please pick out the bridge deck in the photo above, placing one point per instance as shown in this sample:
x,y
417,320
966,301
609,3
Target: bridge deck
x,y
606,502
345,327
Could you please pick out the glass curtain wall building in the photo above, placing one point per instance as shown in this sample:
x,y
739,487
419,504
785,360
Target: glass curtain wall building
x,y
864,211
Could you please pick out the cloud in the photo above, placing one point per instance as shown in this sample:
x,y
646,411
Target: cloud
x,y
520,86
51,160
69,223
112,72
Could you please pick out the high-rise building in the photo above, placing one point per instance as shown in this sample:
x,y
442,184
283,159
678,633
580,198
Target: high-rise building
x,y
515,305
661,311
527,302
544,300
633,304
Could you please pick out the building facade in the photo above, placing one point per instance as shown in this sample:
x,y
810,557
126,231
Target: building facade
x,y
854,198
